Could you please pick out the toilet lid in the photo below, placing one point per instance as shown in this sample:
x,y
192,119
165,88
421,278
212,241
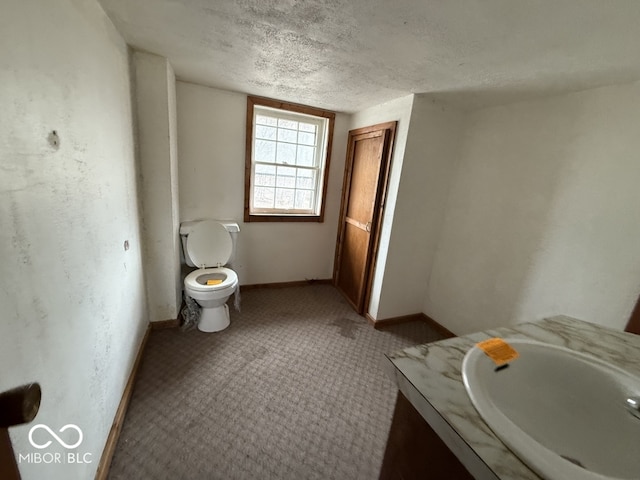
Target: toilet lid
x,y
209,244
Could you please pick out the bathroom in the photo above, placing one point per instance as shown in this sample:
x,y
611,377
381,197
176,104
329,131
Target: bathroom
x,y
530,205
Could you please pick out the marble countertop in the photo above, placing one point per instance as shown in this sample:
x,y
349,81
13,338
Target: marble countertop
x,y
430,377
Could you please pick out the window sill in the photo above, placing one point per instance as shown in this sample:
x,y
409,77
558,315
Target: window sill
x,y
253,217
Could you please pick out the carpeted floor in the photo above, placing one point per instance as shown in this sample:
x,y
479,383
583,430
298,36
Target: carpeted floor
x,y
293,389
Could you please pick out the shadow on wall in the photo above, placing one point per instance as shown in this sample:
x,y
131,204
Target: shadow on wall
x,y
496,222
539,216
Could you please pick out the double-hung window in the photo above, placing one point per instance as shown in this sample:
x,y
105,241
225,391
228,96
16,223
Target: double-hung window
x,y
288,152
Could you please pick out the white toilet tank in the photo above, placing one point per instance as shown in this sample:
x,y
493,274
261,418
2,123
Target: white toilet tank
x,y
187,227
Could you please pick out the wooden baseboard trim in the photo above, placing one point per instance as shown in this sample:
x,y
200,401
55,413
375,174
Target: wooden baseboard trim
x,y
386,322
299,283
370,320
420,317
162,324
118,420
445,332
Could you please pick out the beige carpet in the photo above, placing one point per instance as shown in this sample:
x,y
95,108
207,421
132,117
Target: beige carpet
x,y
293,389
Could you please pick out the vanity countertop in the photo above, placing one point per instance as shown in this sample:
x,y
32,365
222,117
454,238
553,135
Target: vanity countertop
x,y
430,377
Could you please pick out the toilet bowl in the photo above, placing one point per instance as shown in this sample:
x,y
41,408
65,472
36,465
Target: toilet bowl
x,y
212,298
210,244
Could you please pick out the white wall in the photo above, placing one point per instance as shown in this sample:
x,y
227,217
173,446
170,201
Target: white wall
x,y
211,148
395,110
543,214
157,144
430,160
73,301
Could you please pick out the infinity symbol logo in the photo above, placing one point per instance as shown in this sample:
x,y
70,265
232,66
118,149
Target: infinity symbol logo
x,y
52,433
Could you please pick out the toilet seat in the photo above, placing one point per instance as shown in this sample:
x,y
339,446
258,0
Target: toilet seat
x,y
230,279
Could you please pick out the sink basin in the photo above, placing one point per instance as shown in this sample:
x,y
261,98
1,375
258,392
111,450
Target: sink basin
x,y
563,413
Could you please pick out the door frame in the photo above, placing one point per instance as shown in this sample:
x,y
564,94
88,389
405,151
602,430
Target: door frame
x,y
376,224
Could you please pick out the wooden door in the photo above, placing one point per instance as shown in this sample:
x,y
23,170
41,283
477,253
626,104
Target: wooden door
x,y
363,194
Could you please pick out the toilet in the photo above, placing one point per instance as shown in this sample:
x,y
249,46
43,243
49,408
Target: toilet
x,y
209,245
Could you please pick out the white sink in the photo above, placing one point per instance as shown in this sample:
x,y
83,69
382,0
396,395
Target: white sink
x,y
563,413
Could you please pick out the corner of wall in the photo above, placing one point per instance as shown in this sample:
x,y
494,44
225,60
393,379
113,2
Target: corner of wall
x,y
175,196
542,215
430,161
157,139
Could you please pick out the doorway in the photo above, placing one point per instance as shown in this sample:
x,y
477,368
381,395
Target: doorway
x,y
363,198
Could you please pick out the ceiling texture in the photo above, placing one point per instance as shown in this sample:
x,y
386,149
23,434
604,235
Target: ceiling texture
x,y
346,55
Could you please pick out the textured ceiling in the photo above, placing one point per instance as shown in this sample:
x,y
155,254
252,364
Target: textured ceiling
x,y
346,55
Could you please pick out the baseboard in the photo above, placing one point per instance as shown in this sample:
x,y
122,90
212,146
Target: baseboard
x,y
445,332
386,322
299,283
162,324
421,317
116,427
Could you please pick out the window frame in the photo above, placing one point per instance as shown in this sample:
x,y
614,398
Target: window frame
x,y
252,102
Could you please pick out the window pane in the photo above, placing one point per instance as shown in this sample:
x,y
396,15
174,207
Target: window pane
x,y
306,156
263,197
265,151
303,199
307,127
264,120
306,178
284,198
265,132
286,177
286,153
287,124
285,135
265,175
307,138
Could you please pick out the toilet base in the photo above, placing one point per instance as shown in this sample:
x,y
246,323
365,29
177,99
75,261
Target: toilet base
x,y
214,319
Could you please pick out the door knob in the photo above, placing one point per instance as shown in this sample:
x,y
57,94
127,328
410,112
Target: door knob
x,y
19,405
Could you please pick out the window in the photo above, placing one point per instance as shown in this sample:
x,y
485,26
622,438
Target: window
x,y
287,162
